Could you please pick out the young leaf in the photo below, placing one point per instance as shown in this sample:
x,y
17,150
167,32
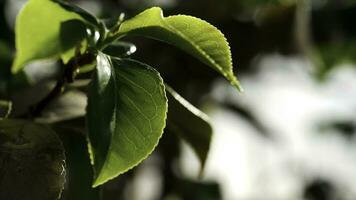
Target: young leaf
x,y
126,115
189,123
31,161
193,35
38,31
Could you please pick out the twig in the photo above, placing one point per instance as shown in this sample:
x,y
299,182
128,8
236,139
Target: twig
x,y
67,77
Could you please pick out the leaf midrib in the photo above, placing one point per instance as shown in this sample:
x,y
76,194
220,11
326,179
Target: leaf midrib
x,y
112,74
192,42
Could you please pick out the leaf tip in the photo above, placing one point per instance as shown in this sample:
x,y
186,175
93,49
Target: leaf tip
x,y
236,83
238,86
100,179
155,8
96,183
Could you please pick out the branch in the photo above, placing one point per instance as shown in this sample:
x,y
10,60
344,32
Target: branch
x,y
67,77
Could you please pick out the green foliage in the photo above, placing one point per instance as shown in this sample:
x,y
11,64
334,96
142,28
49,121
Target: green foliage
x,y
31,160
38,28
126,110
189,123
193,35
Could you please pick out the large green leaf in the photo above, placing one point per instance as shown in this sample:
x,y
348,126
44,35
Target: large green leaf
x,y
126,115
31,161
38,32
193,35
190,123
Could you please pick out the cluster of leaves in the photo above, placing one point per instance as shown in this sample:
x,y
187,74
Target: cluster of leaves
x,y
128,105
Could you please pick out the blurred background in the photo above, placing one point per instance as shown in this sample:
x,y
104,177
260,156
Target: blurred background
x,y
290,135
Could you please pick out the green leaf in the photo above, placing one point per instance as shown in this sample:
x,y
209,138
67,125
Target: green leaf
x,y
83,13
31,161
193,35
126,115
189,123
38,32
72,36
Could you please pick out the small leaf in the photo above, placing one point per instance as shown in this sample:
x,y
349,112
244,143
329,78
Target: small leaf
x,y
31,161
126,115
193,35
38,31
190,123
120,49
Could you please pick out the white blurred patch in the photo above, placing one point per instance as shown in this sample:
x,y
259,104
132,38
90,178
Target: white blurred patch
x,y
147,183
11,11
290,103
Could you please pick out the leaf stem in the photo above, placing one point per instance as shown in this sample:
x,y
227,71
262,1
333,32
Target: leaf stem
x,y
111,34
68,77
